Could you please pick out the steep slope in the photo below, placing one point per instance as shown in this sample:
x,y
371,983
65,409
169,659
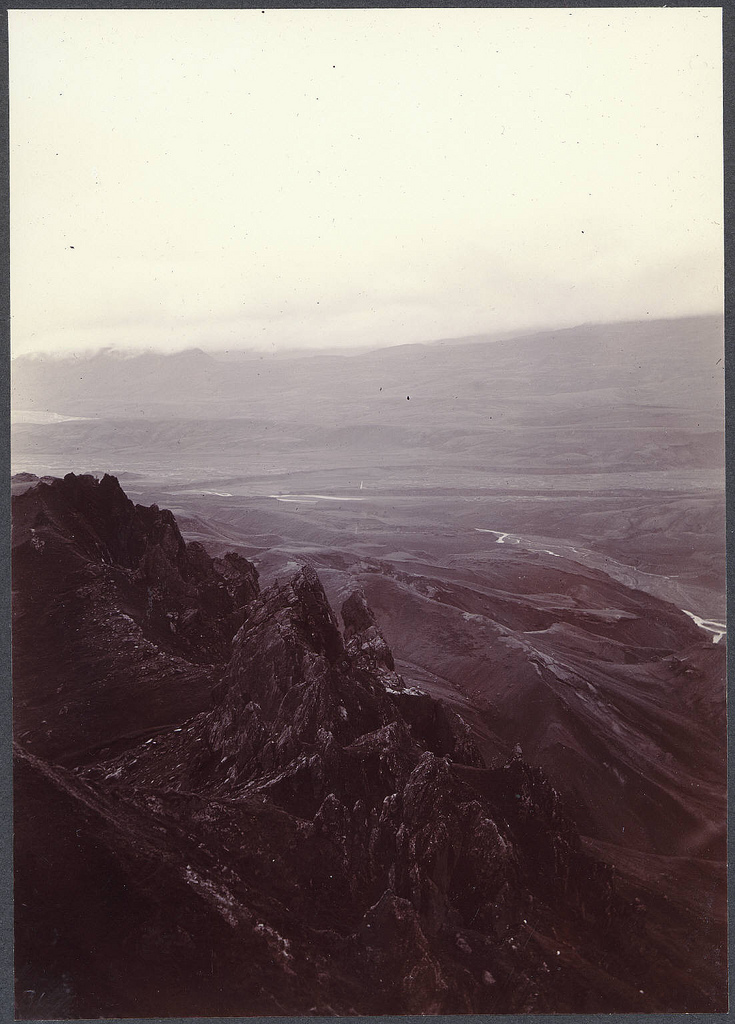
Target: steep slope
x,y
322,839
117,622
614,692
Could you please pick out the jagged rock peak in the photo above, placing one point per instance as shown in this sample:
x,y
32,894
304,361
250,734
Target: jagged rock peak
x,y
149,612
292,689
97,521
366,644
356,614
90,518
289,640
109,483
85,487
310,613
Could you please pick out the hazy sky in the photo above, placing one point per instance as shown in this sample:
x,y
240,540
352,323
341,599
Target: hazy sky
x,y
303,178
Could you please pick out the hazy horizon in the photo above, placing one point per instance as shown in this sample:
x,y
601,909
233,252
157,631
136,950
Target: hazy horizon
x,y
134,351
288,180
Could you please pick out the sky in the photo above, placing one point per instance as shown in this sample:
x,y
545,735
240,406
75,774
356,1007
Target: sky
x,y
349,178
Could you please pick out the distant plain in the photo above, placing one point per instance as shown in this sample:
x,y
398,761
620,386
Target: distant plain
x,y
603,444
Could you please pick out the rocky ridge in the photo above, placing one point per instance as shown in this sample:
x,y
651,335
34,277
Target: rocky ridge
x,y
118,623
317,837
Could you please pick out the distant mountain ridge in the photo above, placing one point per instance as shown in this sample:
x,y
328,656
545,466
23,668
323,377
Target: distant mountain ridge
x,y
616,398
633,357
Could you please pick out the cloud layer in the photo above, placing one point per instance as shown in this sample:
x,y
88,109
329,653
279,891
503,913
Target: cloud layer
x,y
303,178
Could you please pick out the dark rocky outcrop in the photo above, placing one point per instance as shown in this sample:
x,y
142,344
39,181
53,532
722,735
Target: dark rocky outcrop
x,y
322,839
117,621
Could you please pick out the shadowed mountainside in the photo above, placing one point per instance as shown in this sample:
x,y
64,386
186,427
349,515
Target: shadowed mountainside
x,y
318,835
133,621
